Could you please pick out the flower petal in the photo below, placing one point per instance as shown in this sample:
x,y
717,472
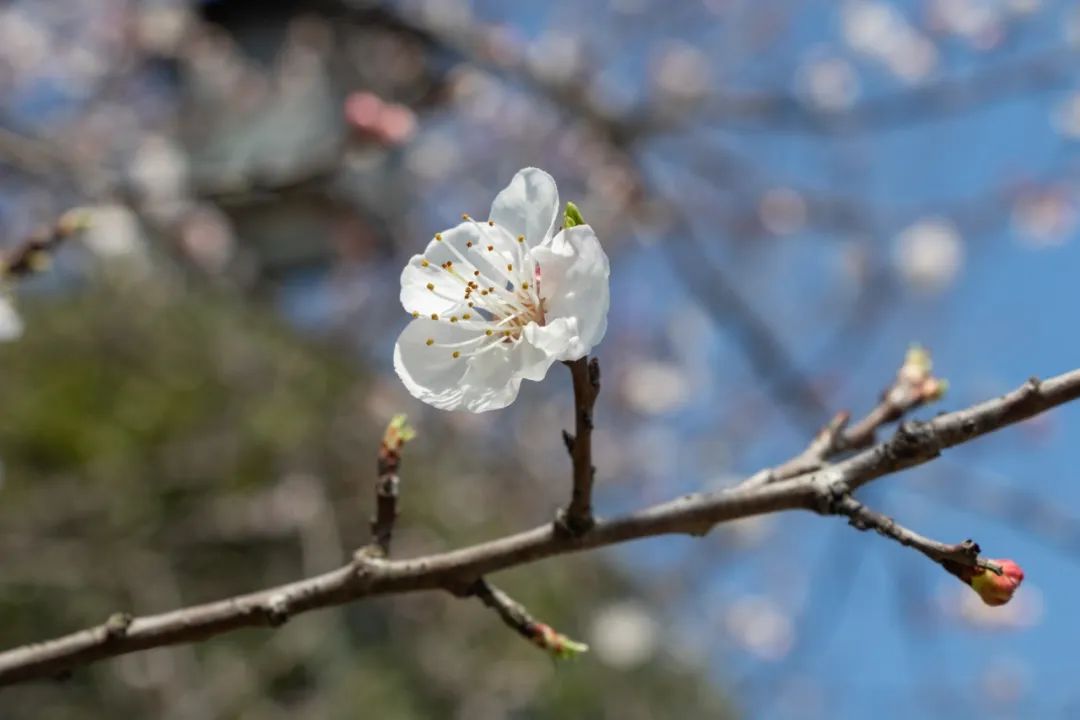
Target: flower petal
x,y
494,378
491,382
574,274
470,247
528,206
557,340
432,373
11,325
444,297
534,358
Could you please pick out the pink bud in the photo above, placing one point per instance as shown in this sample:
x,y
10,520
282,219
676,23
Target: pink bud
x,y
371,118
997,589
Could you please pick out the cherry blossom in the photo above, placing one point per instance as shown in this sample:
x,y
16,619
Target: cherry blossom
x,y
498,301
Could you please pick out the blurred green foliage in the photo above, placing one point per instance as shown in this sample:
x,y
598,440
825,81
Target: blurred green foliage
x,y
164,443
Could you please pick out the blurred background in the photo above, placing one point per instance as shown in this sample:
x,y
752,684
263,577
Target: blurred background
x,y
790,193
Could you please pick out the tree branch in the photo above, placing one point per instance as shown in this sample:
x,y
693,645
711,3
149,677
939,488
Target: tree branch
x,y
458,570
943,98
578,517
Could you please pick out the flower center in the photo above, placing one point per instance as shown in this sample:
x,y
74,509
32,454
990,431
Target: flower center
x,y
497,281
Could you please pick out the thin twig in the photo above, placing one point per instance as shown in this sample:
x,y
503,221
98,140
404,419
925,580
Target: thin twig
x,y
578,517
398,432
958,559
457,570
386,502
912,388
518,619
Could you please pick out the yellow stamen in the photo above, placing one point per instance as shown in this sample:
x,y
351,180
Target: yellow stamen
x,y
430,342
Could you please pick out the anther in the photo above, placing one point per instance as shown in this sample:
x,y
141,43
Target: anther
x,y
456,354
453,318
476,273
491,223
424,263
489,333
490,248
431,287
510,267
525,285
466,316
465,216
430,342
438,236
415,315
434,316
521,238
468,243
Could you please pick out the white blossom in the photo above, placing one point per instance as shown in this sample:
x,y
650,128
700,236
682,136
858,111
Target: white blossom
x,y
11,325
498,301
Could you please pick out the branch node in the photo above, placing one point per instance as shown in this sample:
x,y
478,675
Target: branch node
x,y
117,625
594,375
914,440
276,609
567,526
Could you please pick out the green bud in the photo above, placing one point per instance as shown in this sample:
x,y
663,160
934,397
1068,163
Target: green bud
x,y
573,216
398,432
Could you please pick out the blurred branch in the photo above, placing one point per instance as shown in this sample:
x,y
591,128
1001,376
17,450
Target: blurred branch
x,y
475,43
765,353
824,491
932,101
34,253
578,517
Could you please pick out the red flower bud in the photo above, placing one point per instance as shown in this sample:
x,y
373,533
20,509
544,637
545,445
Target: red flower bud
x,y
997,589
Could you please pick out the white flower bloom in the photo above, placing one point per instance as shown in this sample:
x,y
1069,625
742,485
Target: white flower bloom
x,y
11,325
499,301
